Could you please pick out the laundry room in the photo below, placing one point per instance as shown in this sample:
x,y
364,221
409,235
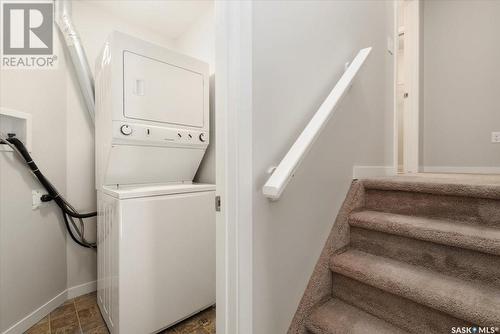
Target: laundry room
x,y
249,166
107,167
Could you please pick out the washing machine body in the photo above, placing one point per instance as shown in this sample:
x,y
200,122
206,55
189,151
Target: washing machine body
x,y
156,258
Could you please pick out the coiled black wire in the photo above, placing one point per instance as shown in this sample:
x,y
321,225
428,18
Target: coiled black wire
x,y
66,209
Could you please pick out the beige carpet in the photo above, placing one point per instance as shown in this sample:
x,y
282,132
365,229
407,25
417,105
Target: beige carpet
x,y
409,254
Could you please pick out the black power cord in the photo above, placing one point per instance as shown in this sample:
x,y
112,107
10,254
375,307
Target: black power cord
x,y
72,235
67,210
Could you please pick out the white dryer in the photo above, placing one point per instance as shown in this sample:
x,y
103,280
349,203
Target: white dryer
x,y
156,230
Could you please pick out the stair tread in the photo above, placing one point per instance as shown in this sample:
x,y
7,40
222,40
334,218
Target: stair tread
x,y
471,302
479,187
470,236
335,316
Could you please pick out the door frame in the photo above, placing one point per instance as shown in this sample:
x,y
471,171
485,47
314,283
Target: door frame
x,y
233,120
411,133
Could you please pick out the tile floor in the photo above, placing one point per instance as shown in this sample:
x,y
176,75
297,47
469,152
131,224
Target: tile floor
x,y
81,316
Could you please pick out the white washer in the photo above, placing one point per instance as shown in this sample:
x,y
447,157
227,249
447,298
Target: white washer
x,y
156,230
156,264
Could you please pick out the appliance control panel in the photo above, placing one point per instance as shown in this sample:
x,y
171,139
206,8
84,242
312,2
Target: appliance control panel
x,y
145,134
126,130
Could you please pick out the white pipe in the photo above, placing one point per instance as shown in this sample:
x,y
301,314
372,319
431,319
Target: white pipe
x,y
77,54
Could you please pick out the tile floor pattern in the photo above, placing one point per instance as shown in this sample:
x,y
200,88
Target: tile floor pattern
x,y
81,316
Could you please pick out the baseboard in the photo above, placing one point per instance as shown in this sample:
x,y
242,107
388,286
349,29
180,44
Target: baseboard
x,y
362,172
82,289
461,170
31,319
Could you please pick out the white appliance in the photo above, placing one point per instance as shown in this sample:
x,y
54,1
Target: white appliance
x,y
156,230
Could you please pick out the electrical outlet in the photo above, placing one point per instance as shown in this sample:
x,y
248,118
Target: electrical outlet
x,y
495,137
37,202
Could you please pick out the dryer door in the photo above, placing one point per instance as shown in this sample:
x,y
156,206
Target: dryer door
x,y
160,92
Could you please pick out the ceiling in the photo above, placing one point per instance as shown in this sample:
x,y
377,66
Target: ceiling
x,y
167,17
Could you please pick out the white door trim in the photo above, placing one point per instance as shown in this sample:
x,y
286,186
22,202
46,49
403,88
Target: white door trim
x,y
395,137
412,126
411,161
233,92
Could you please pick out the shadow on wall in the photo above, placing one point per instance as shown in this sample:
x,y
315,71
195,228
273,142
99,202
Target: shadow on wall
x,y
206,171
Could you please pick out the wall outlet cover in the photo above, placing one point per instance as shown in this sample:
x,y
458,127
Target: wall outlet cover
x,y
495,137
37,202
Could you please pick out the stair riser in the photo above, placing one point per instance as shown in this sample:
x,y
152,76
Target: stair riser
x,y
465,264
337,317
485,188
401,312
466,209
471,302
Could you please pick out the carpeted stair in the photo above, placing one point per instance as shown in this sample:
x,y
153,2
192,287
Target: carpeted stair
x,y
408,255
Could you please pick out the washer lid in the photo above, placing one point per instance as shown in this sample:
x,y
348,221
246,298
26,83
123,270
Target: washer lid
x,y
124,192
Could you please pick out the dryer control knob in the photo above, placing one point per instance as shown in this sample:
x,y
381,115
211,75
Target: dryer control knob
x,y
126,130
202,137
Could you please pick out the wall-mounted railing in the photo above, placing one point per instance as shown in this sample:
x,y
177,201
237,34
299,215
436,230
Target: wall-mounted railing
x,y
282,174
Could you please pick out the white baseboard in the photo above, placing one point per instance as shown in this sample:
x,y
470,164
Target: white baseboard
x,y
461,170
82,289
31,319
362,172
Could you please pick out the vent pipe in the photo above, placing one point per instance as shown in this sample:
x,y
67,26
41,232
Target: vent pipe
x,y
76,53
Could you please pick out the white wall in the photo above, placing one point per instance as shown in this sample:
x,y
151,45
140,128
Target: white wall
x,y
299,52
199,40
37,261
32,242
461,83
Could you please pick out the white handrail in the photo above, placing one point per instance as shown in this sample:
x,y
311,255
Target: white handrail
x,y
282,174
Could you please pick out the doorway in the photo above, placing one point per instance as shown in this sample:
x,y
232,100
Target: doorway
x,y
407,86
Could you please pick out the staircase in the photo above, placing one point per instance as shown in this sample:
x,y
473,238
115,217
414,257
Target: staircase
x,y
409,255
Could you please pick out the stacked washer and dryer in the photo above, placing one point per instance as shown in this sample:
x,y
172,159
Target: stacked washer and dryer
x,y
156,228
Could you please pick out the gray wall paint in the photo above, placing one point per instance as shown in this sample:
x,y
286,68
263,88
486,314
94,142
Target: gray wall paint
x,y
206,171
37,265
461,83
299,52
32,242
